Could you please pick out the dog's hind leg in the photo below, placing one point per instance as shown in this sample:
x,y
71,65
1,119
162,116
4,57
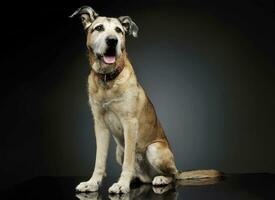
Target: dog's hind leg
x,y
161,159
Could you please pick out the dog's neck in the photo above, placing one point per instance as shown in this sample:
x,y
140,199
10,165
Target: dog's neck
x,y
110,76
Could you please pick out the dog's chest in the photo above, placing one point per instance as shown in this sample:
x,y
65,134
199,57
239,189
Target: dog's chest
x,y
113,106
110,107
113,123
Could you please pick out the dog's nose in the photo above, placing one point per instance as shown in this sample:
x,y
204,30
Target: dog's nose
x,y
111,41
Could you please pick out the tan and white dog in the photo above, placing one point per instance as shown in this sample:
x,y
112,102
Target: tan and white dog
x,y
120,107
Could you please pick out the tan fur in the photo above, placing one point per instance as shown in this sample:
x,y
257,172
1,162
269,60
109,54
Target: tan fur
x,y
120,107
198,174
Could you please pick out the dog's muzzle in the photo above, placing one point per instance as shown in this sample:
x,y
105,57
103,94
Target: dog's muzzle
x,y
109,57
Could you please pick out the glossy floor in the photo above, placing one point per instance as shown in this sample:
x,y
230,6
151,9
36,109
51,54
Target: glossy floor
x,y
234,186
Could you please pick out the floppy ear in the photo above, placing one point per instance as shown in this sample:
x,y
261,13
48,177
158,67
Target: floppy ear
x,y
87,15
129,26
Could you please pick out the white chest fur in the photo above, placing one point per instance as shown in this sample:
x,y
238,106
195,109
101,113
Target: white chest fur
x,y
112,106
111,119
113,123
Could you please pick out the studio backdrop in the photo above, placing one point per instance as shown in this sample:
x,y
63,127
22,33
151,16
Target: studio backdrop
x,y
208,68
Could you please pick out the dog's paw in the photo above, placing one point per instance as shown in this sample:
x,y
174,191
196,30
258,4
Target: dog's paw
x,y
161,180
118,188
88,186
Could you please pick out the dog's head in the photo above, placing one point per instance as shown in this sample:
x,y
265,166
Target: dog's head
x,y
105,37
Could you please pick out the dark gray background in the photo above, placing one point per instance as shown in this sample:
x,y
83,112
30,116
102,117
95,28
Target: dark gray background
x,y
208,68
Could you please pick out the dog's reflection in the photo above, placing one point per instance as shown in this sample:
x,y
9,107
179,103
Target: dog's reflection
x,y
88,196
147,191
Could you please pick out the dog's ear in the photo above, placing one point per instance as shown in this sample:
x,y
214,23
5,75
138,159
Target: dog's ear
x,y
87,15
129,26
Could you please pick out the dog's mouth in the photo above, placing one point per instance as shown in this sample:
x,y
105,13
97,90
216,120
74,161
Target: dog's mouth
x,y
109,57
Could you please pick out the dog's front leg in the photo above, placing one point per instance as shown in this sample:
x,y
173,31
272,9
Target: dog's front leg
x,y
102,143
130,127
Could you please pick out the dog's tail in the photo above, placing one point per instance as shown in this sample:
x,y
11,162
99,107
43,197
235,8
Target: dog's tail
x,y
198,174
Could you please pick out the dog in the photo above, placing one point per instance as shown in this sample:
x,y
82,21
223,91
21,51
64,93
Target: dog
x,y
122,109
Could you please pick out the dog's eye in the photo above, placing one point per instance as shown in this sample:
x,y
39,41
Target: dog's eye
x,y
118,30
99,28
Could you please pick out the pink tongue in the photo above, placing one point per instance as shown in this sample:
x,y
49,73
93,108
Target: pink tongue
x,y
109,59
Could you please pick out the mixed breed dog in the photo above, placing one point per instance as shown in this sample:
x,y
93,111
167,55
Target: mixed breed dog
x,y
122,109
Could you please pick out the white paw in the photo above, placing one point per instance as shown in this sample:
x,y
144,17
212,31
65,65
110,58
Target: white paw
x,y
161,180
89,186
119,188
